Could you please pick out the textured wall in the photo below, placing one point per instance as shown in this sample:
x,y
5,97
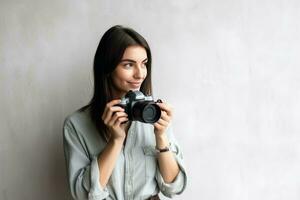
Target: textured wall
x,y
228,67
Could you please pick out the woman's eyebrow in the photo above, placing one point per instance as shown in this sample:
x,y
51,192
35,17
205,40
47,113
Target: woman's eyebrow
x,y
130,60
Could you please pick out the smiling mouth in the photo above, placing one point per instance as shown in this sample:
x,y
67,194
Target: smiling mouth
x,y
135,84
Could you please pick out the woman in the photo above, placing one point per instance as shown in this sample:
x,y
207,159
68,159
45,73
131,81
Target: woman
x,y
108,156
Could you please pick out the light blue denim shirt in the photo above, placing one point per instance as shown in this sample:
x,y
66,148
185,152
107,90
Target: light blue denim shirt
x,y
136,175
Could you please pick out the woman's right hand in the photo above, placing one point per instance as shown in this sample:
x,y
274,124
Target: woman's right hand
x,y
113,117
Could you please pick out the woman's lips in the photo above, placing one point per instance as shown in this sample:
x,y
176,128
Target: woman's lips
x,y
135,84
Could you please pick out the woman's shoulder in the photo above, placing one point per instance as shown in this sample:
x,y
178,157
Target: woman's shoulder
x,y
78,118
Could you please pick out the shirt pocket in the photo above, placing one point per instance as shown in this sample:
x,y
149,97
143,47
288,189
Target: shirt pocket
x,y
150,161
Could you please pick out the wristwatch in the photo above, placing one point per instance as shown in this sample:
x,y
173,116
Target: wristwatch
x,y
165,149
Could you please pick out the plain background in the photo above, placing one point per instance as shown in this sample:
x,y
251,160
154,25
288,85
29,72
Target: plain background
x,y
230,68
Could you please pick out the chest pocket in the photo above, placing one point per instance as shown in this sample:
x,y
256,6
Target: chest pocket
x,y
150,161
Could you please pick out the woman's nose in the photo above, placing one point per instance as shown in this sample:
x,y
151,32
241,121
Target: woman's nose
x,y
138,73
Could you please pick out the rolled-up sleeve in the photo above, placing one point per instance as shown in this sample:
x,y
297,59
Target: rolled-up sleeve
x,y
83,171
179,184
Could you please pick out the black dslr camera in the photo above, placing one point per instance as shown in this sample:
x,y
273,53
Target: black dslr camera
x,y
139,107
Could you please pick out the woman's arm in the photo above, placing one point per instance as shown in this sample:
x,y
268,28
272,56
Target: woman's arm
x,y
107,159
170,176
113,117
82,170
168,166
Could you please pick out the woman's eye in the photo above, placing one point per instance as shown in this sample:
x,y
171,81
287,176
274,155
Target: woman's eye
x,y
128,65
144,64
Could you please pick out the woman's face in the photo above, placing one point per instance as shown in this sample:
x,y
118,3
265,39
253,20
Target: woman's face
x,y
130,72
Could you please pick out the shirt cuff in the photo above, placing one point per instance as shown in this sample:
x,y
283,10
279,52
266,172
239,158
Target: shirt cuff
x,y
170,189
96,192
177,186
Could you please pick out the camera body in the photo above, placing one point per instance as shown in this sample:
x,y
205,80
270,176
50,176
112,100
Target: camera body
x,y
140,107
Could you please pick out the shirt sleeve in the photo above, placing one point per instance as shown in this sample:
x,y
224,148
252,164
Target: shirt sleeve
x,y
179,184
83,172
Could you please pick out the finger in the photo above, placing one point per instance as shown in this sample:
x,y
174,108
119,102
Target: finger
x,y
113,102
166,107
120,120
165,117
108,105
115,116
158,126
111,111
162,122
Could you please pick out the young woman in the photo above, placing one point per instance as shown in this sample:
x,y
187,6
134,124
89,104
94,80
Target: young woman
x,y
107,155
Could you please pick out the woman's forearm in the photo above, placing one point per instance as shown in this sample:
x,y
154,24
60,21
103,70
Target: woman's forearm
x,y
107,160
168,166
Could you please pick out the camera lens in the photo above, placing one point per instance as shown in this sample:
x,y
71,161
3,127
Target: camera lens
x,y
147,112
151,113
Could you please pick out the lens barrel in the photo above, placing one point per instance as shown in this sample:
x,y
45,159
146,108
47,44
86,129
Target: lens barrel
x,y
146,111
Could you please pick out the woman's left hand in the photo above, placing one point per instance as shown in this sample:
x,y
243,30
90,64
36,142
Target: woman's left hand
x,y
166,116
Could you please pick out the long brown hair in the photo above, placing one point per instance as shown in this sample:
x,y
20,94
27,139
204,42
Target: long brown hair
x,y
108,55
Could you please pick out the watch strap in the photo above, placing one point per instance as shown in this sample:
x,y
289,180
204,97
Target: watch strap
x,y
165,149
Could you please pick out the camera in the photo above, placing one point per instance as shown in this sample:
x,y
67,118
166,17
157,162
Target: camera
x,y
139,107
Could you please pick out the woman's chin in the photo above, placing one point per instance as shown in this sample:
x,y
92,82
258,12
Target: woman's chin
x,y
134,88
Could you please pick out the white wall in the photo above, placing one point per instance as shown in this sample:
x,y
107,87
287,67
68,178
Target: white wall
x,y
228,67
